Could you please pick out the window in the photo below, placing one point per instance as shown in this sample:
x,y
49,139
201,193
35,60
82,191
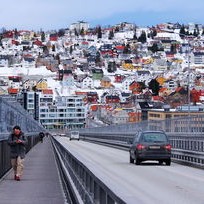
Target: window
x,y
154,137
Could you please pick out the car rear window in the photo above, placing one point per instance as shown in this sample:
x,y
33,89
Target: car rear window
x,y
74,132
154,137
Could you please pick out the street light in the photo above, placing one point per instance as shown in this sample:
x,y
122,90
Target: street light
x,y
188,82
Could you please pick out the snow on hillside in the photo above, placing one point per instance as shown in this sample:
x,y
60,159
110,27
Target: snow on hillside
x,y
16,71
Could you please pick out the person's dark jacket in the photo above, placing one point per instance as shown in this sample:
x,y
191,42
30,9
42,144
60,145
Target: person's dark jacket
x,y
17,149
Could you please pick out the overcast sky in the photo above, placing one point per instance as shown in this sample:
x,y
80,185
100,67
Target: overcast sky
x,y
56,14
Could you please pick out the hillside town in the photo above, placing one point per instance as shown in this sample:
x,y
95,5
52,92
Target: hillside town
x,y
81,76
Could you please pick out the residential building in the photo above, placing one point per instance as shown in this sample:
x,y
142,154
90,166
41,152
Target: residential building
x,y
105,82
67,112
97,74
29,102
42,84
198,58
166,113
79,26
87,82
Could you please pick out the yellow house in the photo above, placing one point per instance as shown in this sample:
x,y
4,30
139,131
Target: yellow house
x,y
127,64
41,84
161,80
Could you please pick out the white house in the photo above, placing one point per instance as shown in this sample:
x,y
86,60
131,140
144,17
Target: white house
x,y
87,82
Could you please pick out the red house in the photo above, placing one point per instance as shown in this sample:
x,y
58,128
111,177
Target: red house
x,y
119,78
112,99
53,37
92,97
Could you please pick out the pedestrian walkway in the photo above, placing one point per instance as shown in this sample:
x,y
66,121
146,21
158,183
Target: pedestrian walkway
x,y
40,183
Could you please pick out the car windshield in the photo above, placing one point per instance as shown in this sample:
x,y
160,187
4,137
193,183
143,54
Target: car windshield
x,y
154,137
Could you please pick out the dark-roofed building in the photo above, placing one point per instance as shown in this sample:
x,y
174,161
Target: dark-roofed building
x,y
62,73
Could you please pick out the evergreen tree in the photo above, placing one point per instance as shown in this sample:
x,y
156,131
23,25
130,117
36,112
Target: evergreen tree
x,y
98,58
111,35
43,36
111,67
57,57
16,33
154,32
45,50
75,32
142,85
197,29
127,49
53,48
154,86
135,36
195,33
99,32
173,48
61,32
117,29
82,32
71,49
182,31
154,48
142,38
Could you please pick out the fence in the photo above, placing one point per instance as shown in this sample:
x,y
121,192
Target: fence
x,y
11,114
90,188
193,125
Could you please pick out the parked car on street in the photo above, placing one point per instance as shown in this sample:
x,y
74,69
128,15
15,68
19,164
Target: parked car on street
x,y
150,145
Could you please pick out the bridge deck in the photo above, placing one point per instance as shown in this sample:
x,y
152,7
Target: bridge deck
x,y
40,182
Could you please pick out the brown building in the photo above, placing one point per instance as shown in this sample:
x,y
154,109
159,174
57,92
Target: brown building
x,y
178,120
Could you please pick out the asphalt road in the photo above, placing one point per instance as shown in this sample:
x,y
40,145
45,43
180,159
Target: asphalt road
x,y
144,184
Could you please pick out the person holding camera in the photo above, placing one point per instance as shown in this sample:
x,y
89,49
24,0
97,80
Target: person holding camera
x,y
17,142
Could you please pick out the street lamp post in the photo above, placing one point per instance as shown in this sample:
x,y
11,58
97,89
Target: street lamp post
x,y
188,80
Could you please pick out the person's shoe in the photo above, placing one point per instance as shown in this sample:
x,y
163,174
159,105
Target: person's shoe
x,y
14,177
18,178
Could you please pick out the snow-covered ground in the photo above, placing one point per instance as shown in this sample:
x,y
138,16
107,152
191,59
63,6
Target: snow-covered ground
x,y
16,71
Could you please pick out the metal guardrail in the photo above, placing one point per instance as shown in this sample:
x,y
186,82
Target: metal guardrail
x,y
91,189
186,149
11,114
193,125
185,133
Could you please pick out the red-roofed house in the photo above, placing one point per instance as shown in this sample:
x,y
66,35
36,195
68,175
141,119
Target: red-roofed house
x,y
47,91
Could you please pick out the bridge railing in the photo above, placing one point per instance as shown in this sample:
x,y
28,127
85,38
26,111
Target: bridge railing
x,y
187,150
185,133
193,124
11,114
74,173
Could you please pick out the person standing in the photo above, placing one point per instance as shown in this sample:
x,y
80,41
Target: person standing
x,y
41,135
17,142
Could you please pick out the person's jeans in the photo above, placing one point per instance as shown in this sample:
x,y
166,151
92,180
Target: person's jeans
x,y
17,165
